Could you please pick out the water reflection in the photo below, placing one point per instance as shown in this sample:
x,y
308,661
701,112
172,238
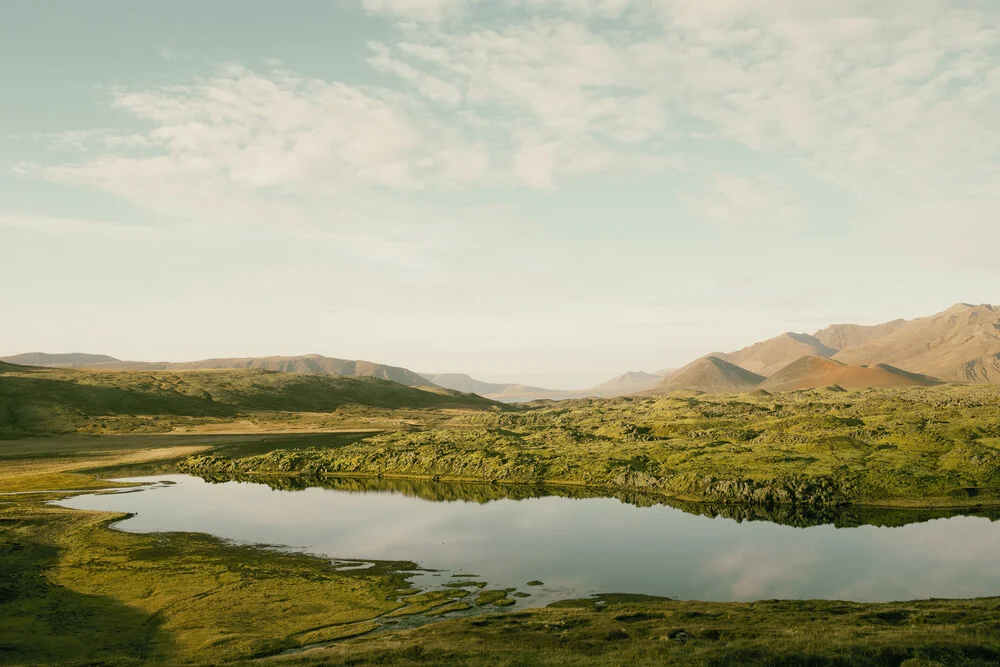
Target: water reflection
x,y
578,544
476,492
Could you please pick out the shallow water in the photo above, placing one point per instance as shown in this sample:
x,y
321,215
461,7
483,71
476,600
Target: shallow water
x,y
579,546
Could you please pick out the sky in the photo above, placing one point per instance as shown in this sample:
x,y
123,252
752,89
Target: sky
x,y
551,192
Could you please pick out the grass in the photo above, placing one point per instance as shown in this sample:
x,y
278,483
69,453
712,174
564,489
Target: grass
x,y
74,592
927,447
46,401
635,630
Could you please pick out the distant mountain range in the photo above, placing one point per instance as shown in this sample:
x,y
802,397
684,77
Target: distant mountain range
x,y
313,364
627,383
961,344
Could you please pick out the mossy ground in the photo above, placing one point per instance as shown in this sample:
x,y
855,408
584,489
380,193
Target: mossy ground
x,y
891,447
72,591
46,401
633,630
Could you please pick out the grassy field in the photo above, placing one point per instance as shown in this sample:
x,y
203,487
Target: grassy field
x,y
935,447
634,630
73,591
45,401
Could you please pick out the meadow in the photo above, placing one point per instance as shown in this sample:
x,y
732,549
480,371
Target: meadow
x,y
75,591
931,447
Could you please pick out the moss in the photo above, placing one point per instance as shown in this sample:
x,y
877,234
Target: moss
x,y
913,446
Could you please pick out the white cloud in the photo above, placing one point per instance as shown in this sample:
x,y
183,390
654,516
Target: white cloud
x,y
878,101
419,10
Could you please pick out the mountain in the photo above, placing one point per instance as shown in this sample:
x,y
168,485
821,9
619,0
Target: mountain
x,y
770,356
961,344
493,390
709,374
68,360
842,336
815,372
313,364
46,400
628,383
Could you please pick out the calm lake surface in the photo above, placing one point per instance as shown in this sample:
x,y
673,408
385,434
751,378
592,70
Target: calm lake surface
x,y
581,546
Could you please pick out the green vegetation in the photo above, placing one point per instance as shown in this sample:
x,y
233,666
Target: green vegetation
x,y
892,447
72,590
636,630
37,401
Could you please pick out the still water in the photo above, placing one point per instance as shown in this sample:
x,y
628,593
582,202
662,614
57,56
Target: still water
x,y
581,546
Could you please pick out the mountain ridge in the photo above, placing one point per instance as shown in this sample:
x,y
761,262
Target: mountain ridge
x,y
710,374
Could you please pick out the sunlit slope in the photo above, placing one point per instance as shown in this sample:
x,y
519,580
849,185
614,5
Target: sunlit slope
x,y
770,356
814,372
710,374
38,400
960,344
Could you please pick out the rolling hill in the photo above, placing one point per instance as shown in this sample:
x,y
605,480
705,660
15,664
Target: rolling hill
x,y
961,344
39,400
710,375
67,360
314,364
816,372
494,390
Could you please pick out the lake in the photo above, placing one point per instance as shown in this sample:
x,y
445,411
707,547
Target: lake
x,y
578,546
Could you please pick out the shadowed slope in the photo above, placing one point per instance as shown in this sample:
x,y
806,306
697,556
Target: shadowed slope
x,y
815,372
313,364
960,344
709,374
843,336
46,400
770,356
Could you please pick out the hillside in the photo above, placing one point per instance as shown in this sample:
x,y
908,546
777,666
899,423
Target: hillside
x,y
770,356
842,336
314,364
500,391
961,344
68,360
815,372
40,400
627,383
711,375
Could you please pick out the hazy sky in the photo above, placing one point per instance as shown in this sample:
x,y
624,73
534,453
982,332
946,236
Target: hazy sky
x,y
553,191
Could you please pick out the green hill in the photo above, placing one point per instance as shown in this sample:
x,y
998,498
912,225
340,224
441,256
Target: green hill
x,y
47,400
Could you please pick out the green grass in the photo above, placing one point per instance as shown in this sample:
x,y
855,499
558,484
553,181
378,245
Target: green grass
x,y
47,401
917,447
636,630
72,591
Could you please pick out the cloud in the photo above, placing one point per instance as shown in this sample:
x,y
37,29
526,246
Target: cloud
x,y
876,102
418,10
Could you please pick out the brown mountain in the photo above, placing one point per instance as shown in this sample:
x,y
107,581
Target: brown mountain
x,y
499,391
815,372
842,336
627,383
770,356
961,344
711,375
313,364
67,360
